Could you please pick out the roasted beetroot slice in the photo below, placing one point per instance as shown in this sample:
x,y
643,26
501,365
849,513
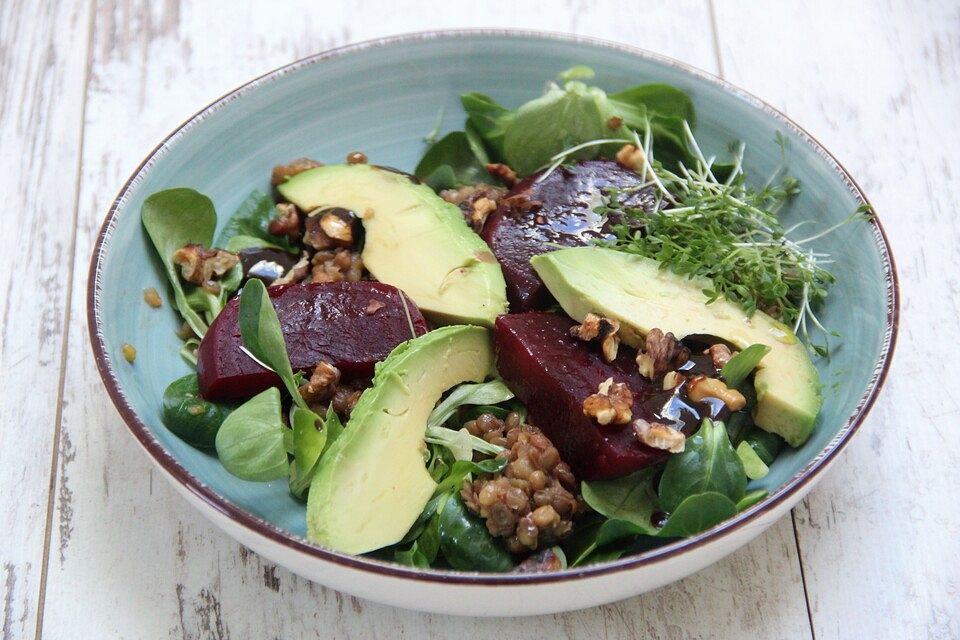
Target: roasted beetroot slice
x,y
559,211
352,325
553,373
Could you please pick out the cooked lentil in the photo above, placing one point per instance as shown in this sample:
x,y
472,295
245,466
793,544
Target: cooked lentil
x,y
533,501
356,157
152,298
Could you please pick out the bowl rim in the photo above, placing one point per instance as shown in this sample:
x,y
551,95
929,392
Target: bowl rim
x,y
265,529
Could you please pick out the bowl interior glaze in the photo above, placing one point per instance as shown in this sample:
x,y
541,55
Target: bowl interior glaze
x,y
382,98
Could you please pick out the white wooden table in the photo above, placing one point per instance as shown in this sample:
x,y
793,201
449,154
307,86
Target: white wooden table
x,y
94,544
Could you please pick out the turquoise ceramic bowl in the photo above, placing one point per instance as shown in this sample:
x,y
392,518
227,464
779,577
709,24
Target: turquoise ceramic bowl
x,y
382,97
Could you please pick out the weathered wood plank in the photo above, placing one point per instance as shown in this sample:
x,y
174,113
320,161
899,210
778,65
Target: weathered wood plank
x,y
135,560
879,85
42,70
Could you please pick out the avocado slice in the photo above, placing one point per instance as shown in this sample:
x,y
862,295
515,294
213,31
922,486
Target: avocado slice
x,y
641,295
414,240
373,483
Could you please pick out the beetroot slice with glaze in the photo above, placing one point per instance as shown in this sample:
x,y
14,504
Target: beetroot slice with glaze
x,y
558,210
352,325
552,373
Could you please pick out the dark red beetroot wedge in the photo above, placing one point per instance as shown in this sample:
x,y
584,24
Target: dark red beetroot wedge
x,y
553,373
557,210
352,325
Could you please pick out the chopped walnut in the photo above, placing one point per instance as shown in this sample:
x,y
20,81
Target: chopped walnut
x,y
287,222
504,172
476,202
339,225
341,265
522,202
297,272
611,404
631,157
588,329
659,436
701,387
672,380
284,171
322,384
374,306
720,354
200,265
314,235
662,353
609,346
604,329
481,210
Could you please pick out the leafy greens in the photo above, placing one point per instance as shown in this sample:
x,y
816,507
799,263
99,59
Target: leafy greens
x,y
173,219
566,115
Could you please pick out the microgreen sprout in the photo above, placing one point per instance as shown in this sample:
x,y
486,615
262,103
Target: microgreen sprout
x,y
730,233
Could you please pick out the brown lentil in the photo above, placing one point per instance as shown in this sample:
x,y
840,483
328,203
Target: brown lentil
x,y
152,298
185,332
356,157
531,503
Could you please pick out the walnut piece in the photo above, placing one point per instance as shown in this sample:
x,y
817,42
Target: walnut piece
x,y
476,202
720,354
287,222
661,353
600,328
339,225
672,380
613,403
313,234
507,175
297,272
284,171
522,202
200,265
659,436
481,210
341,265
322,384
631,157
701,387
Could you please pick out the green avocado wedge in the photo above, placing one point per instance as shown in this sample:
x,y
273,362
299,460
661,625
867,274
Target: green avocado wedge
x,y
414,240
642,296
373,483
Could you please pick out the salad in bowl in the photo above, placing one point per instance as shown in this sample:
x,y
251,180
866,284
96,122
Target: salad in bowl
x,y
567,336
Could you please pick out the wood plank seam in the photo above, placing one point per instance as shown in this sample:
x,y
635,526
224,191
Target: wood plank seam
x,y
715,31
793,519
71,273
